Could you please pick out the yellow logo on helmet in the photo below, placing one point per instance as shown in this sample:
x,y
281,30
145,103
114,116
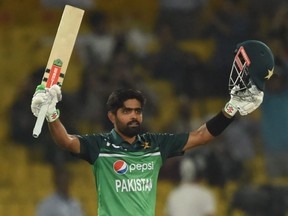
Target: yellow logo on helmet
x,y
270,73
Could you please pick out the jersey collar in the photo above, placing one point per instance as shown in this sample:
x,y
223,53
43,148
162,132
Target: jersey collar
x,y
118,140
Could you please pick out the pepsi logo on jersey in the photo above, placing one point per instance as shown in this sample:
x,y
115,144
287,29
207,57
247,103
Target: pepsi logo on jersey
x,y
121,167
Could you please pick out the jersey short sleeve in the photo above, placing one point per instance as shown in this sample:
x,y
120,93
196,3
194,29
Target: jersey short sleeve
x,y
89,147
169,144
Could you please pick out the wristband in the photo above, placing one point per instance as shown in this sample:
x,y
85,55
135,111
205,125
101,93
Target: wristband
x,y
51,117
218,123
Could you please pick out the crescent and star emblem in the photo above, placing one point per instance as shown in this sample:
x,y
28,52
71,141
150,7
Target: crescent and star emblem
x,y
146,145
270,73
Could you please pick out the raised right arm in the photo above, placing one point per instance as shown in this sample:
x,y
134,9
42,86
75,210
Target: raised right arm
x,y
62,138
57,130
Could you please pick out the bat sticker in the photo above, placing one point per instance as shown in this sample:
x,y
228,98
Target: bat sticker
x,y
54,73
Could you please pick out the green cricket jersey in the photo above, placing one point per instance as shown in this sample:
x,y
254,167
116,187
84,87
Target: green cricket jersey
x,y
126,174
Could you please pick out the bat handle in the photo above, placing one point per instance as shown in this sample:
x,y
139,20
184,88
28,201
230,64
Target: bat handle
x,y
40,120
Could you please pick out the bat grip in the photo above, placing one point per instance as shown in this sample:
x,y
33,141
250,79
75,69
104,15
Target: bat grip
x,y
40,120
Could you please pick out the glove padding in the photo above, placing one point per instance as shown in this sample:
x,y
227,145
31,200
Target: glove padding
x,y
244,101
46,96
38,100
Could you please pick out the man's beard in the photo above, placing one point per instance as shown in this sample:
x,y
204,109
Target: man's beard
x,y
128,130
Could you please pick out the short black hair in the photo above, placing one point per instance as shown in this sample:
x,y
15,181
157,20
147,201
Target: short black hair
x,y
118,97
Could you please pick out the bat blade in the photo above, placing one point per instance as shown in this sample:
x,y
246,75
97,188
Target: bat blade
x,y
60,55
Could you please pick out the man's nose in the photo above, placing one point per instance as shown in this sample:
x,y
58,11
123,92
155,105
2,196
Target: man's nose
x,y
134,114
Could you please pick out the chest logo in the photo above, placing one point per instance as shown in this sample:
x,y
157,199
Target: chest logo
x,y
146,145
120,167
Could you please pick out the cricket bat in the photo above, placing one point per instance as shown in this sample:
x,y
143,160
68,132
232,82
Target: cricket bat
x,y
59,56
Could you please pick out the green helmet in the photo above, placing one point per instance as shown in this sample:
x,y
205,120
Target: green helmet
x,y
253,64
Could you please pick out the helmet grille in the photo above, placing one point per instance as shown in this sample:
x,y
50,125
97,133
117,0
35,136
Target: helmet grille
x,y
239,74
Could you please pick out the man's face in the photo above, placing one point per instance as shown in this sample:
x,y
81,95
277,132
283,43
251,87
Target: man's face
x,y
128,119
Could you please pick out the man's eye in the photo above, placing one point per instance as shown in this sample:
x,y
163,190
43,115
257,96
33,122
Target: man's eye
x,y
138,111
126,111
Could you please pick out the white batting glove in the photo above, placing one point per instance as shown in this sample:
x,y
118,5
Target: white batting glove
x,y
54,96
39,98
244,101
44,96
